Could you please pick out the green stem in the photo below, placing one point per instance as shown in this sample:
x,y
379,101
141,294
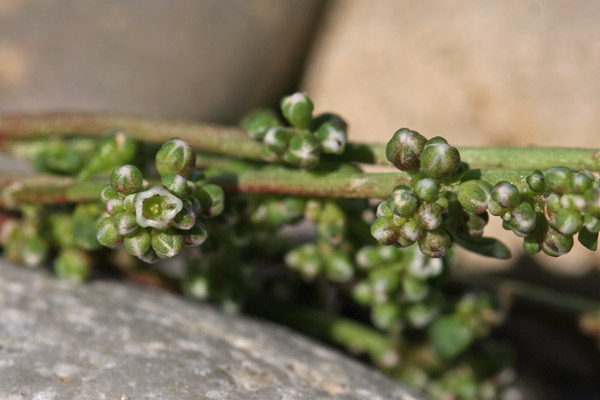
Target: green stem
x,y
235,142
18,189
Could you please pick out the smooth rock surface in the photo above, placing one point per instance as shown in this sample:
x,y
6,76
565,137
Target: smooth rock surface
x,y
106,340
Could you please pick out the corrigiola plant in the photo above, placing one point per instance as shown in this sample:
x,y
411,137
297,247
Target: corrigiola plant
x,y
276,217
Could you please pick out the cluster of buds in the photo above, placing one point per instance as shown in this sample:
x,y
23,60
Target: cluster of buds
x,y
159,221
302,142
398,286
416,214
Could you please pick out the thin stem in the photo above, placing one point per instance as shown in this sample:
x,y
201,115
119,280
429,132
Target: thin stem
x,y
235,142
16,189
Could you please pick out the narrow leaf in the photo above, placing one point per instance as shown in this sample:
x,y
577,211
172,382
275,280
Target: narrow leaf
x,y
485,246
588,239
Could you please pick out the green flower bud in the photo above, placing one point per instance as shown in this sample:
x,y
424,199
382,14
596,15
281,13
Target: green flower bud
x,y
591,223
297,109
306,260
444,203
107,233
156,208
523,218
34,251
193,203
474,196
402,242
362,293
385,231
73,264
175,157
61,229
321,119
175,184
531,244
582,181
411,231
592,199
439,159
129,203
369,257
185,219
384,210
277,139
568,221
114,206
402,201
303,151
475,223
139,243
117,148
496,209
450,337
150,257
558,179
555,243
414,289
536,181
384,315
196,179
258,122
85,218
331,137
212,200
425,267
435,243
553,202
108,193
429,216
126,179
197,234
125,223
426,190
573,201
404,149
338,267
419,315
269,155
506,194
198,286
166,243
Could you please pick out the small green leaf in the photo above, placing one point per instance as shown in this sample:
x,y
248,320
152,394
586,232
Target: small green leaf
x,y
588,239
450,337
485,246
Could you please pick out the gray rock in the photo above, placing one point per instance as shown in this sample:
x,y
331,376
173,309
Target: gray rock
x,y
106,340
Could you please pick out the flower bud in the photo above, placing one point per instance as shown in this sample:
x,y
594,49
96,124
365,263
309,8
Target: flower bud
x,y
404,149
443,202
411,231
506,194
419,315
384,315
531,244
568,221
450,337
196,179
555,243
129,203
108,193
175,157
414,289
117,148
402,201
185,219
297,109
558,179
34,251
212,200
114,206
362,293
166,243
573,201
582,182
331,137
384,210
592,200
303,151
139,243
496,209
107,233
475,223
126,223
338,267
369,257
196,235
429,216
175,184
474,196
73,264
321,119
553,202
269,155
85,217
385,231
277,139
435,243
523,218
591,223
193,203
536,181
426,190
258,122
126,179
149,257
156,208
439,159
